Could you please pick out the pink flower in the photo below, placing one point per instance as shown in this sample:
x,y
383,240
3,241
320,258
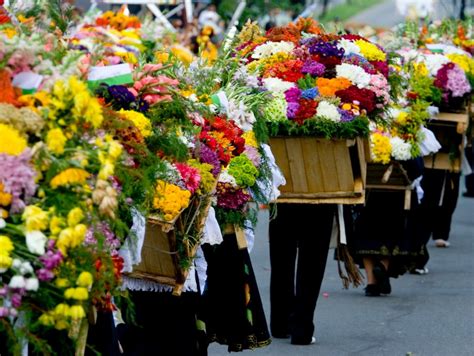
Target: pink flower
x,y
152,67
189,175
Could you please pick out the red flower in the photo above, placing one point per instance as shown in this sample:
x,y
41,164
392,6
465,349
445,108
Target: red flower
x,y
306,110
364,98
381,67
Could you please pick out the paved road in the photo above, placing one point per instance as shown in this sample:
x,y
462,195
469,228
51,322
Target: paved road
x,y
385,14
430,315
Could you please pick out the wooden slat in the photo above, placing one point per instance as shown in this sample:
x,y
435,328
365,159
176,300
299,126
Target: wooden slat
x,y
343,165
363,149
297,165
328,166
442,161
279,151
312,159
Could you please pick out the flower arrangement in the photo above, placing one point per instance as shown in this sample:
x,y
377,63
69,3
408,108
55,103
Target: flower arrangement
x,y
323,85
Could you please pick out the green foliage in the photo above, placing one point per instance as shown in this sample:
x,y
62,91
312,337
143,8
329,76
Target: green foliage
x,y
425,88
322,128
254,9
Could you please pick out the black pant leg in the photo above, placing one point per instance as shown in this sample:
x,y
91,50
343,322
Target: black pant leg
x,y
446,210
313,247
282,279
469,179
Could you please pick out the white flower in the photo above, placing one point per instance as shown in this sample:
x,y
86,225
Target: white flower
x,y
16,264
32,284
26,268
36,241
229,38
357,75
17,282
434,62
225,177
401,150
2,223
277,85
348,46
243,117
328,111
268,49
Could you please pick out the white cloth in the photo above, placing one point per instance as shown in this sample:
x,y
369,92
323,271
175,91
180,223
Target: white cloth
x,y
415,8
212,234
131,251
430,144
271,191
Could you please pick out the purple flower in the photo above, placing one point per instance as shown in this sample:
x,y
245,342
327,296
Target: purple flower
x,y
207,155
4,291
16,300
310,93
234,200
292,95
51,259
292,109
4,312
18,178
253,154
313,68
103,229
346,116
457,82
326,49
44,275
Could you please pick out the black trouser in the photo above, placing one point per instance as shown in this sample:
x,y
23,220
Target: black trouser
x,y
469,179
299,236
441,190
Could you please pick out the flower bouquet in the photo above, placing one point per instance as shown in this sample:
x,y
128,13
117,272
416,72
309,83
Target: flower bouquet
x,y
326,88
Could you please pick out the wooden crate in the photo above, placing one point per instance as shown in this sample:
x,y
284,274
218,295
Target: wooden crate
x,y
389,177
319,171
160,256
449,129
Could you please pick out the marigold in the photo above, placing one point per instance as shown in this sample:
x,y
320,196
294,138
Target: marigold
x,y
329,87
141,122
11,143
70,176
170,199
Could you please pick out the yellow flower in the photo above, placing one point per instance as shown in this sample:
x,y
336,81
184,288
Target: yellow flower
x,y
69,176
141,122
74,217
115,149
183,54
420,69
55,140
162,57
61,310
35,218
79,293
5,262
61,283
5,198
106,170
370,51
65,240
11,142
76,312
56,224
250,139
85,280
465,62
46,319
10,32
381,148
170,199
61,324
80,231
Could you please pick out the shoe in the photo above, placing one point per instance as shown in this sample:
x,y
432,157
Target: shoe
x,y
442,243
383,280
372,290
468,195
296,341
420,271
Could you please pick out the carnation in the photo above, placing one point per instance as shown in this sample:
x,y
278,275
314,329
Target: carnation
x,y
355,74
328,111
277,85
457,82
401,150
268,49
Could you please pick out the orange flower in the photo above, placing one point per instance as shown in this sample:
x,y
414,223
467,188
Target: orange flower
x,y
329,87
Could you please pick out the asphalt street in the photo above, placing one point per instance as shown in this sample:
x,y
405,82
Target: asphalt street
x,y
431,315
